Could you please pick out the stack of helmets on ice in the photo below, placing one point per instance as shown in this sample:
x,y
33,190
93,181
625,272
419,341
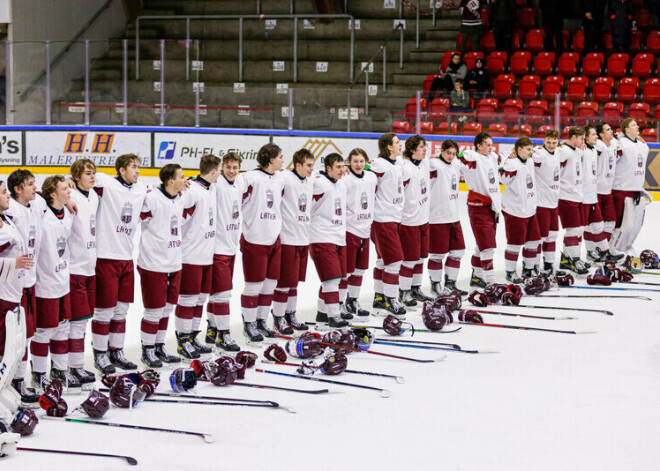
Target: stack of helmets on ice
x,y
609,273
221,371
334,363
52,401
497,293
436,315
128,390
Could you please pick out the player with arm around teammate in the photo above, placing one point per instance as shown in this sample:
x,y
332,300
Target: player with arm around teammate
x,y
606,155
595,239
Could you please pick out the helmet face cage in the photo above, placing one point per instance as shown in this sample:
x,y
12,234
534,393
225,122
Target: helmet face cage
x,y
364,338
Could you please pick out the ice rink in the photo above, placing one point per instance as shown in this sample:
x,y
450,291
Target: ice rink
x,y
544,401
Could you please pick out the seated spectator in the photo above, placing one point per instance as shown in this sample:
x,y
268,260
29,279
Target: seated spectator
x,y
478,79
455,70
459,100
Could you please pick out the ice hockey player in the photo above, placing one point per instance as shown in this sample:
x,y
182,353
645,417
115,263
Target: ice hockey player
x,y
120,201
83,266
479,168
388,209
327,237
260,241
546,171
592,217
606,164
159,262
360,194
519,208
197,239
446,244
414,228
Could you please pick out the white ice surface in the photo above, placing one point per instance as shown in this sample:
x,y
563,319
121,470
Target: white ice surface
x,y
545,402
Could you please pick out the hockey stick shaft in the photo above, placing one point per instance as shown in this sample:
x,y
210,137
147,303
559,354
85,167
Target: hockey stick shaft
x,y
592,296
129,459
208,398
520,327
612,288
423,347
280,388
409,330
211,403
383,392
642,272
367,373
559,308
513,314
420,342
640,283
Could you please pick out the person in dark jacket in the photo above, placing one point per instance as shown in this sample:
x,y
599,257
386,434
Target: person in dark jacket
x,y
553,24
478,79
592,22
654,10
455,70
470,24
621,17
504,16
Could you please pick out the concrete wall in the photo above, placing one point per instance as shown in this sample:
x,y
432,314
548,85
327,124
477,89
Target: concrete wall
x,y
35,21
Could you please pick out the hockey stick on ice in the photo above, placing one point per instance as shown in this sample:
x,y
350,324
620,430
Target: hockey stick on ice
x,y
383,392
129,459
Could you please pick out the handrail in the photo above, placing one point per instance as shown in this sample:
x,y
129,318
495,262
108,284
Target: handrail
x,y
240,18
380,49
66,49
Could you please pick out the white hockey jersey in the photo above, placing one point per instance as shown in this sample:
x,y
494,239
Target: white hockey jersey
x,y
28,220
415,193
262,206
53,262
160,242
83,233
546,173
199,218
118,216
328,211
519,195
296,207
228,225
481,175
444,178
360,197
630,165
388,204
11,246
606,164
570,173
590,180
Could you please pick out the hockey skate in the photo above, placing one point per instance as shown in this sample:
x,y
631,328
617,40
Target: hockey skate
x,y
405,298
118,359
149,357
548,268
29,397
252,335
595,255
337,323
573,264
282,326
266,332
322,321
201,349
344,313
84,377
354,308
69,383
290,317
392,306
417,294
211,333
165,357
39,382
102,363
451,286
185,347
513,277
379,301
477,281
225,342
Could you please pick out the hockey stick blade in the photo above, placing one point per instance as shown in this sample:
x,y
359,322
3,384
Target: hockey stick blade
x,y
129,459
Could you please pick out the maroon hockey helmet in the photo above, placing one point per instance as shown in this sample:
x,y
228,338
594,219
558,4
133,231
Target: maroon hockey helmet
x,y
124,393
452,300
650,259
308,345
221,374
96,405
510,299
533,286
335,364
436,317
25,422
341,338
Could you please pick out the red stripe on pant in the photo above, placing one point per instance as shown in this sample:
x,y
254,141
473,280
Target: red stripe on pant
x,y
59,347
162,324
487,265
149,327
118,327
39,349
406,272
528,253
435,265
549,246
100,328
453,262
281,296
512,256
76,345
571,241
184,312
249,302
390,279
219,309
355,280
476,262
265,299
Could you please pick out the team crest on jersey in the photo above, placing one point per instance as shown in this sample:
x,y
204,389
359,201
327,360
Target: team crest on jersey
x,y
611,162
32,235
270,199
61,246
174,226
556,175
337,206
400,189
422,186
127,213
211,214
92,225
578,170
491,176
640,160
593,168
453,183
302,203
364,200
234,209
530,182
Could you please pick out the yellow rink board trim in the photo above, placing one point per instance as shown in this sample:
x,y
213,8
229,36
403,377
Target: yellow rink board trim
x,y
153,172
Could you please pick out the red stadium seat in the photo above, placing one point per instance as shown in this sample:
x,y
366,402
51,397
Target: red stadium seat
x,y
639,111
438,109
428,81
537,112
576,90
566,37
446,59
564,133
656,112
601,90
487,109
517,40
592,64
503,86
444,129
653,42
497,63
586,109
644,20
626,89
642,65
651,91
471,57
567,65
578,41
534,40
497,130
527,17
607,42
487,43
524,130
540,132
411,108
636,40
511,110
613,109
650,135
426,127
400,127
520,62
528,87
471,129
565,111
552,86
617,65
544,63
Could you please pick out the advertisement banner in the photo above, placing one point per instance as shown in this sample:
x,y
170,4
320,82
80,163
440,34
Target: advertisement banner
x,y
322,146
62,148
11,148
186,149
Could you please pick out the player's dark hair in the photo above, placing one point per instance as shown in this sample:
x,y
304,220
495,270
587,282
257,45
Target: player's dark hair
x,y
575,131
551,134
266,153
448,144
522,142
79,167
480,139
411,145
589,127
357,151
600,128
50,186
168,172
301,156
458,81
383,142
231,157
124,160
331,159
208,163
17,179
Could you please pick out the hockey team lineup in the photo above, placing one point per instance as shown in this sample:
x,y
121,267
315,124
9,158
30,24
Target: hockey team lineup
x,y
383,236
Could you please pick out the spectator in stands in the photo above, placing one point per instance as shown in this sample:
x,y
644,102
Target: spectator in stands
x,y
504,15
553,23
592,22
621,16
654,9
470,24
478,79
455,70
459,100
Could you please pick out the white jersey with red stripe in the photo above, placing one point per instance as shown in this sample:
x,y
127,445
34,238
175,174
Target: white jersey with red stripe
x,y
53,262
296,207
415,192
328,211
118,216
590,180
481,175
388,204
360,198
444,178
570,173
160,242
520,193
83,233
11,246
198,226
630,165
546,172
29,220
228,225
262,206
606,165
